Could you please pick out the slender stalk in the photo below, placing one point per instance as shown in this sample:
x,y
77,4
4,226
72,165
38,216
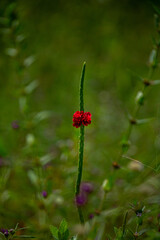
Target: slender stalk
x,y
80,213
124,223
81,145
137,227
80,162
102,201
138,107
81,87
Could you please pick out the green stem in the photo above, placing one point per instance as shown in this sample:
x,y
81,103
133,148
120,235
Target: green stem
x,y
137,227
81,87
124,223
80,213
102,201
81,145
137,108
80,162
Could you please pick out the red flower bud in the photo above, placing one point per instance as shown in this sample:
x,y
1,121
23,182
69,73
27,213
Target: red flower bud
x,y
77,119
80,118
86,119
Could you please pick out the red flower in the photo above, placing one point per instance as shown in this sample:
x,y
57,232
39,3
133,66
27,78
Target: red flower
x,y
77,119
80,118
86,118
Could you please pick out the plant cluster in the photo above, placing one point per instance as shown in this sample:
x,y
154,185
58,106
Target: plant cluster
x,y
141,219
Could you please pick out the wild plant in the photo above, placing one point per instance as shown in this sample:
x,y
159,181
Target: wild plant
x,y
137,207
124,232
135,223
25,154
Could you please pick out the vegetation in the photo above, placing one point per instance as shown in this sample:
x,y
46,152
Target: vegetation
x,y
103,162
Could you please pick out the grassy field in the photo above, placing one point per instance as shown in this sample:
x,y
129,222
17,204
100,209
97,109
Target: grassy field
x,y
43,46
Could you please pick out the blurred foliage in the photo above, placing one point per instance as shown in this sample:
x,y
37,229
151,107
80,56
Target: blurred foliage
x,y
43,45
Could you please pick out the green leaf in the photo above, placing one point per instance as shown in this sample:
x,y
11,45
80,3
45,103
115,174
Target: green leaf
x,y
155,82
63,232
74,238
12,52
142,121
40,116
31,87
33,177
54,231
140,98
20,38
30,139
46,159
152,57
1,234
28,61
16,226
18,229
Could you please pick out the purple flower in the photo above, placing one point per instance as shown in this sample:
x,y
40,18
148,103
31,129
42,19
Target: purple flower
x,y
91,215
2,230
15,124
139,214
86,187
44,194
80,199
12,231
6,233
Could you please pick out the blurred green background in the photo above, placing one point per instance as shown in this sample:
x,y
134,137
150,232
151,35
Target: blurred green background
x,y
115,40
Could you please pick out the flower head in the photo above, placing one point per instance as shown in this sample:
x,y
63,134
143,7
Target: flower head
x,y
44,194
91,216
80,118
12,231
15,124
86,187
81,199
138,208
77,119
2,230
6,233
86,118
